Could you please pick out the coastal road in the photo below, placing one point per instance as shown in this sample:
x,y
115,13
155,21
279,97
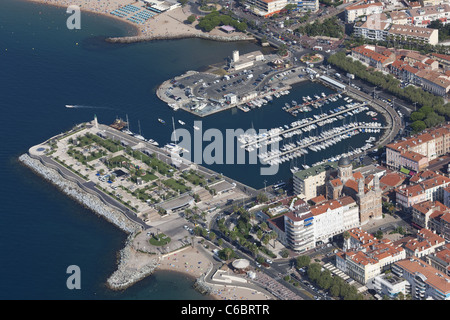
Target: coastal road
x,y
394,121
130,214
92,187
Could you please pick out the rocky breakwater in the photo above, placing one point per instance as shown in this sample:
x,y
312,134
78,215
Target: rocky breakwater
x,y
74,191
133,266
206,36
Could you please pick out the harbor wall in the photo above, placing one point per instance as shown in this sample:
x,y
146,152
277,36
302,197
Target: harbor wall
x,y
127,272
79,192
134,39
124,276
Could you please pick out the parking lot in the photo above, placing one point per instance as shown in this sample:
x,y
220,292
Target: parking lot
x,y
204,93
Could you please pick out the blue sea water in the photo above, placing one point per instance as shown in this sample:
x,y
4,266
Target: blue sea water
x,y
46,66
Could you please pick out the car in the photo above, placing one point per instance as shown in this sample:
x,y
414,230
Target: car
x,y
269,261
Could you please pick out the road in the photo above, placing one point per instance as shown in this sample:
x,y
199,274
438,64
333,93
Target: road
x,y
91,186
276,270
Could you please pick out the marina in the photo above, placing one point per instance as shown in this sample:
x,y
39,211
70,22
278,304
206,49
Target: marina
x,y
249,141
321,142
308,102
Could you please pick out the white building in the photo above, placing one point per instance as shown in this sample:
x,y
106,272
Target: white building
x,y
423,16
426,282
365,257
332,216
299,229
246,61
374,28
306,5
266,8
362,9
391,285
311,182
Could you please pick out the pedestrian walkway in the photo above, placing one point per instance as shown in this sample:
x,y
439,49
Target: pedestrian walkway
x,y
274,287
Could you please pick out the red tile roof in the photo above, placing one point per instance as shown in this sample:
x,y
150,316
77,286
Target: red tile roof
x,y
370,54
393,179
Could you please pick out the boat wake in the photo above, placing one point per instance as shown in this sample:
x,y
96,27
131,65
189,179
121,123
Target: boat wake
x,y
78,106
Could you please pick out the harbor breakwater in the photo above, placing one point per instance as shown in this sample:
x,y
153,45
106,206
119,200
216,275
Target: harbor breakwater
x,y
73,190
128,273
125,275
134,39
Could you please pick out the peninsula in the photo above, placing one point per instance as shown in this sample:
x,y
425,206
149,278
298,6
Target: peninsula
x,y
133,184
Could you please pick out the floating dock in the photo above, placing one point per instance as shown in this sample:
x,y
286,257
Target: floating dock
x,y
298,127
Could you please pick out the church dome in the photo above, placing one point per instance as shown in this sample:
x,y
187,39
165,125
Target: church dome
x,y
344,161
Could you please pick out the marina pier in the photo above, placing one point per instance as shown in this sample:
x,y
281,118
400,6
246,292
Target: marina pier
x,y
321,142
298,127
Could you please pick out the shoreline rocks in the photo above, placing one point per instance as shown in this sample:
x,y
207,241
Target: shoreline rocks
x,y
88,200
134,39
125,276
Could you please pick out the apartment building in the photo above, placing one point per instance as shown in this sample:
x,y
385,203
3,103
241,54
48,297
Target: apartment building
x,y
267,8
374,56
362,8
364,256
421,212
434,82
306,5
399,17
423,16
413,33
310,183
430,143
431,189
374,28
440,259
426,282
299,229
426,243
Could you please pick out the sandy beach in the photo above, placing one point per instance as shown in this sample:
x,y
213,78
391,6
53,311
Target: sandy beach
x,y
195,263
166,25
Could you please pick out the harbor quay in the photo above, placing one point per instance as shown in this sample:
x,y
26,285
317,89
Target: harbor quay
x,y
135,185
133,175
243,82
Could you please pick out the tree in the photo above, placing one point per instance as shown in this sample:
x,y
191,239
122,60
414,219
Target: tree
x,y
259,234
335,290
417,115
284,253
346,235
226,253
314,271
302,261
418,126
261,197
191,19
282,49
379,234
325,280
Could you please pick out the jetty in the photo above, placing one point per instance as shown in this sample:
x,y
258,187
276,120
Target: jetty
x,y
298,127
317,143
